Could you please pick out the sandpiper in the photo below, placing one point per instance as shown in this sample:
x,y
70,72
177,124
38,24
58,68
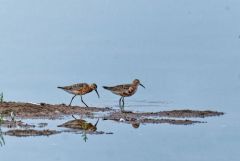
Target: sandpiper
x,y
124,90
80,89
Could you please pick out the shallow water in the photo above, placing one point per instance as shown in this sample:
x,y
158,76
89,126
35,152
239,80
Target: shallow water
x,y
185,53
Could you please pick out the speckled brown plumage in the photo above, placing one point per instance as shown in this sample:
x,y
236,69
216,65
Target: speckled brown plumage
x,y
124,90
80,89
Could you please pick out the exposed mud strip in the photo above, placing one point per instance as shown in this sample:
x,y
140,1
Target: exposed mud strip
x,y
12,112
43,110
30,132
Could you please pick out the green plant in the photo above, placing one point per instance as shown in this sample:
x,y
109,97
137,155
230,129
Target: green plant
x,y
84,136
1,98
1,119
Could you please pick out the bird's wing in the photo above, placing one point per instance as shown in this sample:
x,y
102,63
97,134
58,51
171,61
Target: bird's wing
x,y
75,86
122,87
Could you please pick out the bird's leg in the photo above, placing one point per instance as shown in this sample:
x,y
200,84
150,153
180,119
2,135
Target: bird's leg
x,y
120,102
123,103
83,102
71,100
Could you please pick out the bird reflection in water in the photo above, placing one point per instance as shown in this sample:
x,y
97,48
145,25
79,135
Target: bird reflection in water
x,y
135,125
81,124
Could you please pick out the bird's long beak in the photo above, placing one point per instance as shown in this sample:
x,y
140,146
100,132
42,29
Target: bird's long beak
x,y
141,85
97,93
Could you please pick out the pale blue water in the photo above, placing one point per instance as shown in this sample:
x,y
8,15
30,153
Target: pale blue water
x,y
185,52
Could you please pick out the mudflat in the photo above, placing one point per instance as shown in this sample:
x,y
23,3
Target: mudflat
x,y
56,111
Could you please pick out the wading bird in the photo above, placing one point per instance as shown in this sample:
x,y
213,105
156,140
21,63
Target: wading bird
x,y
124,90
80,89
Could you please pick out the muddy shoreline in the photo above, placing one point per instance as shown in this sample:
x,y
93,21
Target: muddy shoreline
x,y
58,111
20,110
49,111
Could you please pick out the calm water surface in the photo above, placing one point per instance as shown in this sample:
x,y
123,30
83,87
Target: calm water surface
x,y
185,52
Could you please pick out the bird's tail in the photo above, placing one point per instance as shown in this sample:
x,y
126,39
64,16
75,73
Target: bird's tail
x,y
108,88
